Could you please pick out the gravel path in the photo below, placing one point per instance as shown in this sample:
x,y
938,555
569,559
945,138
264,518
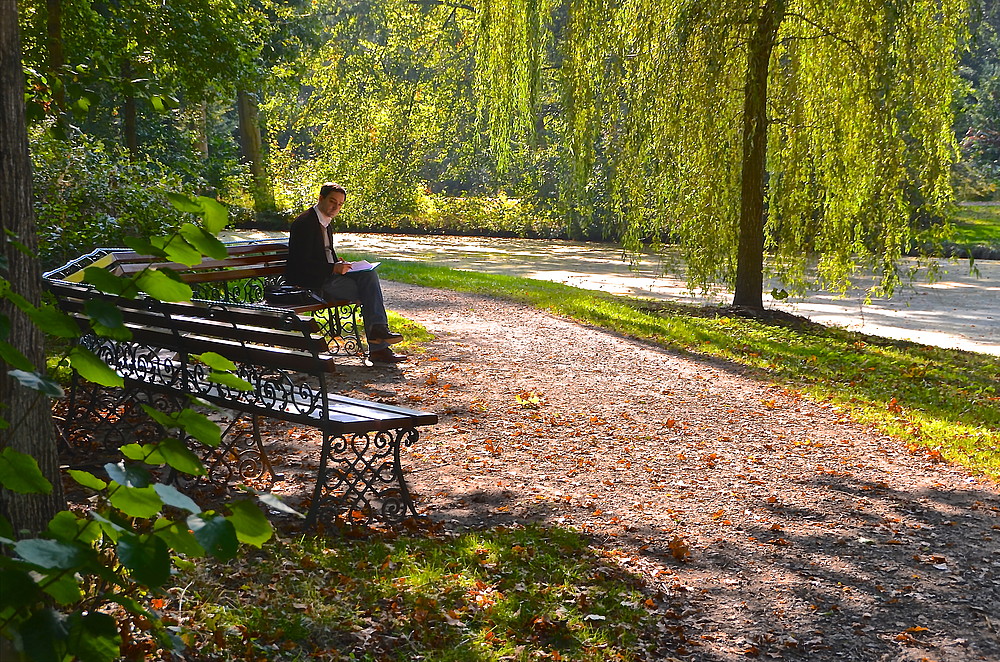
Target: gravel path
x,y
766,524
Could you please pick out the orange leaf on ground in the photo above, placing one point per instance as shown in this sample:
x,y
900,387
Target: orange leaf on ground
x,y
679,548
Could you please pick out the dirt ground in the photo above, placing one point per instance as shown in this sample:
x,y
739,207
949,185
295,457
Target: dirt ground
x,y
767,525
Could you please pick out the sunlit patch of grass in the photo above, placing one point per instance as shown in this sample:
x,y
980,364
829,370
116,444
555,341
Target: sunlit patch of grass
x,y
414,333
504,593
947,401
977,225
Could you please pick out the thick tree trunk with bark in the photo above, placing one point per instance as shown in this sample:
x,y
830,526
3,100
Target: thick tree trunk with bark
x,y
28,413
253,152
750,255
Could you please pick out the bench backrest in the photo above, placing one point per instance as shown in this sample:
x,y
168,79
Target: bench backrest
x,y
271,348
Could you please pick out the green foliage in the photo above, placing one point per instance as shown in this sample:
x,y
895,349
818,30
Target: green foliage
x,y
498,216
73,591
943,400
89,196
858,112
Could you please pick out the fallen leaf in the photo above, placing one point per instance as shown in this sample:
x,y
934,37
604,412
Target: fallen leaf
x,y
679,548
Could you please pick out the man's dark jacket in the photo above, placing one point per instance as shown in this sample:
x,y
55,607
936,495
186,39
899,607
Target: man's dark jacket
x,y
307,265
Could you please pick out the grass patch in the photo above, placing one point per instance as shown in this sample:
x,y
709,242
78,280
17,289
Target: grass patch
x,y
510,594
414,334
946,401
977,226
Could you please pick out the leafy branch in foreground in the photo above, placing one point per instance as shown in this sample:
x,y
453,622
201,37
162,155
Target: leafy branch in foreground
x,y
82,589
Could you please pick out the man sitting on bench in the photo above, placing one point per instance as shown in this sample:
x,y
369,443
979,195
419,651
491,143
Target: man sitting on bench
x,y
313,263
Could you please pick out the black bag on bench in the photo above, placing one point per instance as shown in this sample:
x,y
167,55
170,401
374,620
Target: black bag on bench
x,y
290,295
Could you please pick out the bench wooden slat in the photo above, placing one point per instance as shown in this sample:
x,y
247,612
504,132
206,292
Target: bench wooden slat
x,y
278,358
239,315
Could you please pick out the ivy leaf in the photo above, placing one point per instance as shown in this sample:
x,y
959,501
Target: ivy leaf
x,y
19,589
109,283
177,249
93,637
19,473
200,427
182,202
104,313
180,457
193,423
14,357
216,361
271,501
214,214
144,247
93,368
41,633
38,382
230,380
252,527
136,501
159,285
55,322
68,527
87,479
216,534
173,497
50,553
64,588
178,537
204,241
130,476
147,557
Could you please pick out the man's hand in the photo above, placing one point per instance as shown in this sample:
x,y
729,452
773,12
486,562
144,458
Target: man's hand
x,y
341,268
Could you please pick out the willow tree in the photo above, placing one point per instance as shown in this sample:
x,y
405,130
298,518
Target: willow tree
x,y
808,131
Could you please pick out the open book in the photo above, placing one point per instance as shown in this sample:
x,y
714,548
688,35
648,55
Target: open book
x,y
363,265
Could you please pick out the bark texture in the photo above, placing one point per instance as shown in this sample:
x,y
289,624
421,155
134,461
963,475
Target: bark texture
x,y
28,413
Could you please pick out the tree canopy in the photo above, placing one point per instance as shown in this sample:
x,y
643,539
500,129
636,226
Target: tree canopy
x,y
844,107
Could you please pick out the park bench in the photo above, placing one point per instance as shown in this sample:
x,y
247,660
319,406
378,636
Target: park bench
x,y
250,269
285,360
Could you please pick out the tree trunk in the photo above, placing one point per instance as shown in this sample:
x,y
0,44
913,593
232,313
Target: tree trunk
x,y
750,255
129,127
53,27
201,130
253,153
28,412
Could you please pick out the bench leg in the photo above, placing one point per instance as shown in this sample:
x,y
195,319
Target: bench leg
x,y
240,457
361,478
341,326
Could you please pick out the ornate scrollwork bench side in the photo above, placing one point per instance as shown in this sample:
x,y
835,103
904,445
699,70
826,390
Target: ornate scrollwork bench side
x,y
280,354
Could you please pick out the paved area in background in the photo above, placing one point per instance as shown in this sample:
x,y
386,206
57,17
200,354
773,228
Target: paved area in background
x,y
960,310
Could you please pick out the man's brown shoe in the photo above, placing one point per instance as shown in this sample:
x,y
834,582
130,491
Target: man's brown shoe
x,y
386,356
380,333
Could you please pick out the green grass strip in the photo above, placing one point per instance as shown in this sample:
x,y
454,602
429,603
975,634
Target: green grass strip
x,y
939,399
977,225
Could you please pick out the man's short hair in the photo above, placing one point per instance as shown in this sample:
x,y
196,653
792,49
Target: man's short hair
x,y
330,187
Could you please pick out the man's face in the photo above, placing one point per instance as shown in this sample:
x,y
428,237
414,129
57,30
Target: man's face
x,y
331,204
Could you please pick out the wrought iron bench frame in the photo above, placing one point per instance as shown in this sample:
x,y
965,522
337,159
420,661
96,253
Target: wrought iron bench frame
x,y
280,354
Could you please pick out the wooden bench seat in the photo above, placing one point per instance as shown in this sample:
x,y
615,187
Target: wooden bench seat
x,y
286,362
